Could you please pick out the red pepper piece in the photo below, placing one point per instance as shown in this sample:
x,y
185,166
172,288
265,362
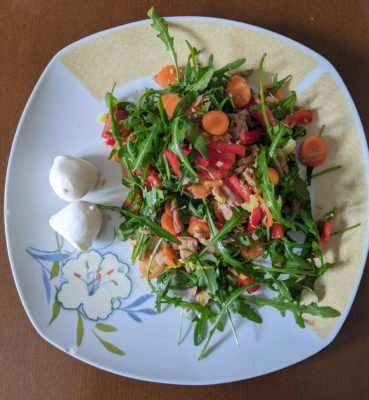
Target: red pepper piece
x,y
227,148
298,117
244,280
250,137
326,233
238,187
277,231
256,216
219,160
173,161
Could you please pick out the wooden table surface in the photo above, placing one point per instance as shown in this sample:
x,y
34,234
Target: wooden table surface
x,y
31,32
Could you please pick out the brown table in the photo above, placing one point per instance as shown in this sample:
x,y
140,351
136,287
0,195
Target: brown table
x,y
31,32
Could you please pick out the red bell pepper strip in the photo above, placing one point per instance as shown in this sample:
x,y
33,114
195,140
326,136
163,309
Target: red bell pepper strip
x,y
219,160
235,184
120,114
244,280
173,162
200,160
277,231
256,216
227,148
298,117
326,233
153,178
250,137
259,116
212,173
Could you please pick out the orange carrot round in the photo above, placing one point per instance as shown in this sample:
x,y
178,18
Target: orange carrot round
x,y
170,102
155,268
239,90
198,228
313,151
215,122
252,253
170,257
166,222
273,176
200,191
167,76
278,94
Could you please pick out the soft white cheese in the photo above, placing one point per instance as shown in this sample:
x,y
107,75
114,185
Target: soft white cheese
x,y
79,223
71,177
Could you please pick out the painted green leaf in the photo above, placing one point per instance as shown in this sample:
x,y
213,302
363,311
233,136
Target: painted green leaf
x,y
54,270
56,310
80,329
108,346
105,327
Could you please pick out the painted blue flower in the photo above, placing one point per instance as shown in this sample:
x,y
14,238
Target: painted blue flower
x,y
94,282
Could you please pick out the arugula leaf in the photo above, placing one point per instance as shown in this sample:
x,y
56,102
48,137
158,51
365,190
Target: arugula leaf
x,y
183,105
146,145
198,141
229,67
232,297
202,82
294,307
111,100
246,311
218,244
277,85
182,280
207,278
278,132
199,331
238,218
178,135
160,25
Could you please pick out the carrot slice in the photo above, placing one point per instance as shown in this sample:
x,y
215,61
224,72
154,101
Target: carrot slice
x,y
273,176
252,253
155,269
170,102
167,76
166,222
215,122
239,90
313,151
200,191
198,228
170,257
269,218
278,94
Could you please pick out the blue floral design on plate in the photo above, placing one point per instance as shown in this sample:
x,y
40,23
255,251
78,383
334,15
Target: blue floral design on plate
x,y
94,283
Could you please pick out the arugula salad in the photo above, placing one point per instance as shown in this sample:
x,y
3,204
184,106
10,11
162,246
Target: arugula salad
x,y
218,217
